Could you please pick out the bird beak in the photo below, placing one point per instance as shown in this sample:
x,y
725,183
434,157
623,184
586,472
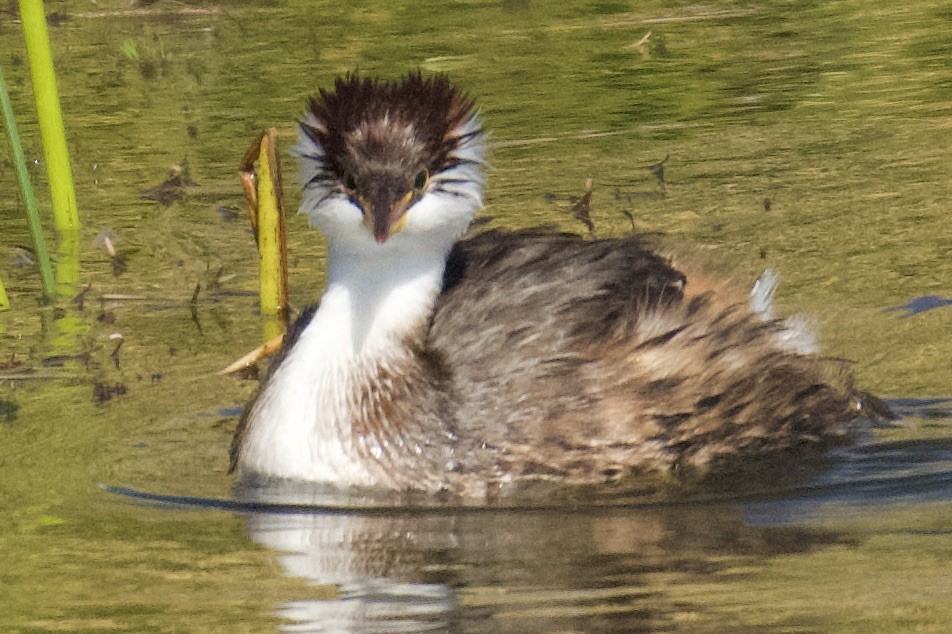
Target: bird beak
x,y
385,218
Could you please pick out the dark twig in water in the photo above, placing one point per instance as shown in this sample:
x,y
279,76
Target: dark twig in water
x,y
193,306
12,363
214,283
114,355
631,219
582,210
106,240
60,360
658,169
118,264
80,298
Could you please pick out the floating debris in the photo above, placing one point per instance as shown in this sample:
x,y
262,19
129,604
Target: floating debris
x,y
56,18
228,213
644,40
641,46
8,411
22,258
103,393
173,188
106,239
120,297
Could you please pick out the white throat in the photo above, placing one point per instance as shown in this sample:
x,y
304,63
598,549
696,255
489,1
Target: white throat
x,y
300,427
373,304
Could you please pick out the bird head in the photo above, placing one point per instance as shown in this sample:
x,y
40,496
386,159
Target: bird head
x,y
389,165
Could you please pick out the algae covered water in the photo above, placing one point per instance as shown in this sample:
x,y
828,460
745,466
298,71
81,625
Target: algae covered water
x,y
812,138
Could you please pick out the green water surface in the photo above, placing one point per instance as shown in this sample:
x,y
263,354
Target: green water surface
x,y
814,138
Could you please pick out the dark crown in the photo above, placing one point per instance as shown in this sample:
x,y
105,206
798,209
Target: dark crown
x,y
423,112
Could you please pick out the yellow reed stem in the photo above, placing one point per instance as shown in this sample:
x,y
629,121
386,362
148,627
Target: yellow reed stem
x,y
4,300
261,176
49,115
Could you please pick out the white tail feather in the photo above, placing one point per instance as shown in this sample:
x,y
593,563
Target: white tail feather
x,y
799,332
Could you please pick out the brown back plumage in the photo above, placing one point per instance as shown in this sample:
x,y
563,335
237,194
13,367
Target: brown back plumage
x,y
579,360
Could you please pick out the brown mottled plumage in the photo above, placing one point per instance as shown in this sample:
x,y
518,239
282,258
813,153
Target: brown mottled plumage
x,y
438,364
624,365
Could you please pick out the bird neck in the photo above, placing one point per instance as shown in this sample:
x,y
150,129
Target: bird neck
x,y
377,301
351,393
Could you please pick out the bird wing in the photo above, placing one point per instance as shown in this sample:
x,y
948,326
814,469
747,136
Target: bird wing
x,y
521,312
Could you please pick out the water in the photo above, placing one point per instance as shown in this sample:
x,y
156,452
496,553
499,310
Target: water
x,y
813,140
617,563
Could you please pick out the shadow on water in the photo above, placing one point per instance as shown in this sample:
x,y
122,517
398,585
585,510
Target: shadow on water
x,y
920,305
595,564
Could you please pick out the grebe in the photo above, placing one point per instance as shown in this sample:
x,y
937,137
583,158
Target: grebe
x,y
438,363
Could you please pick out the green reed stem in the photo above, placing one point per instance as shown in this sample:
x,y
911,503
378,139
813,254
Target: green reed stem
x,y
49,115
32,215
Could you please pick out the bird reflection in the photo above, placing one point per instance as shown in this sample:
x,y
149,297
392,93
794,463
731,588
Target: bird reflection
x,y
509,570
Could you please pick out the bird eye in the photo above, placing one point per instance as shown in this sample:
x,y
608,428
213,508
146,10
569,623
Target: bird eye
x,y
350,182
421,179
